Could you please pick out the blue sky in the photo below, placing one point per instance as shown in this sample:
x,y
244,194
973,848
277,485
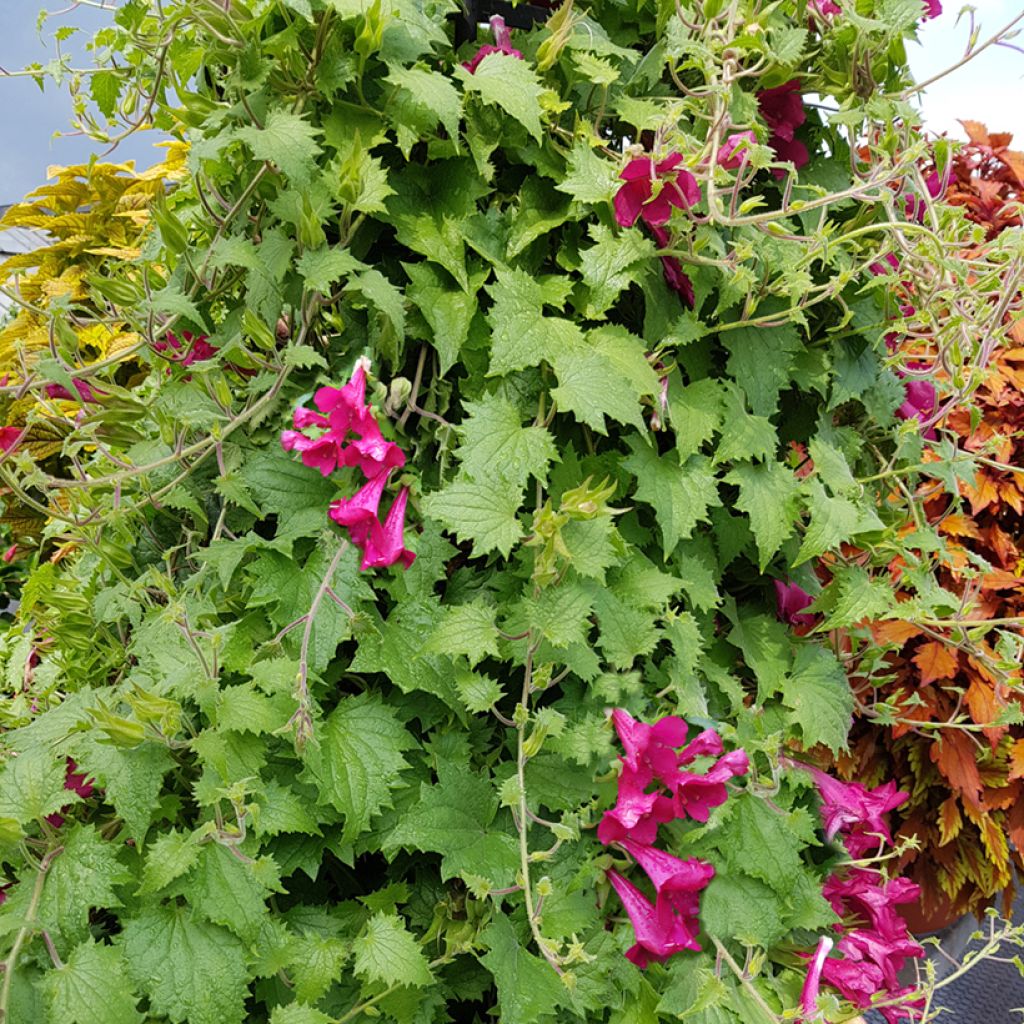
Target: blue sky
x,y
987,89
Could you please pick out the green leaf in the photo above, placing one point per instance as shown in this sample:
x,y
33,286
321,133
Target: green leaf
x,y
316,964
561,615
522,335
832,520
388,953
762,843
90,988
680,495
32,785
735,906
505,81
192,971
541,210
607,374
105,89
358,758
455,818
468,629
298,1013
281,809
228,891
447,309
695,412
82,878
768,494
495,444
483,513
320,268
744,436
766,644
627,631
590,178
431,90
171,855
611,265
287,141
380,292
528,988
857,596
820,697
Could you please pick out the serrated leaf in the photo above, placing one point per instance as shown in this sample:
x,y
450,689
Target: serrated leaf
x,y
192,971
528,988
820,696
32,785
298,1013
388,953
832,520
229,891
680,495
320,268
483,513
611,265
505,81
590,177
606,374
746,436
495,444
447,309
740,907
768,494
286,140
695,412
90,988
358,758
171,855
466,629
522,335
432,90
763,844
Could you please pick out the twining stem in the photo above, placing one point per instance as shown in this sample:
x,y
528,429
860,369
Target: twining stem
x,y
522,720
25,931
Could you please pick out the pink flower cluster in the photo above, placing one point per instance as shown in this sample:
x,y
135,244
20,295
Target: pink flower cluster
x,y
503,44
783,110
343,411
651,191
874,943
194,350
653,757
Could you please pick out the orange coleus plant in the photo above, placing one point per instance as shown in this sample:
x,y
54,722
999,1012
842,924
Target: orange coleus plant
x,y
942,714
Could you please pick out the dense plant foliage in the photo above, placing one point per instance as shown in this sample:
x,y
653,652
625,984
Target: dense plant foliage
x,y
965,810
613,285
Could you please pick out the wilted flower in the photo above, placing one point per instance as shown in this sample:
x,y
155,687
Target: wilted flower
x,y
652,189
920,402
675,276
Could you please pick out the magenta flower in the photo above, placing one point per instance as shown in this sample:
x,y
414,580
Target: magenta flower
x,y
850,808
198,348
783,111
385,544
360,511
890,264
503,41
323,453
920,402
652,189
914,206
790,601
932,9
658,934
371,453
672,269
736,150
3,892
10,554
826,8
871,900
812,983
651,757
9,438
86,393
671,875
75,782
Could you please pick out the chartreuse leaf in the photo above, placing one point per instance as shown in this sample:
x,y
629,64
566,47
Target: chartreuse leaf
x,y
192,971
509,83
521,334
681,495
591,178
321,268
357,761
387,952
857,596
820,697
528,988
316,964
91,988
455,818
768,495
484,513
607,374
495,444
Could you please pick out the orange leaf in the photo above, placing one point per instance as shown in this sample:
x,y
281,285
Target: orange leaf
x,y
1017,760
976,132
894,631
955,755
959,526
985,709
936,661
950,821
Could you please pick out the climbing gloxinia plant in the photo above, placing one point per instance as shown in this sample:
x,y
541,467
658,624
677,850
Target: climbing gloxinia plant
x,y
595,305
